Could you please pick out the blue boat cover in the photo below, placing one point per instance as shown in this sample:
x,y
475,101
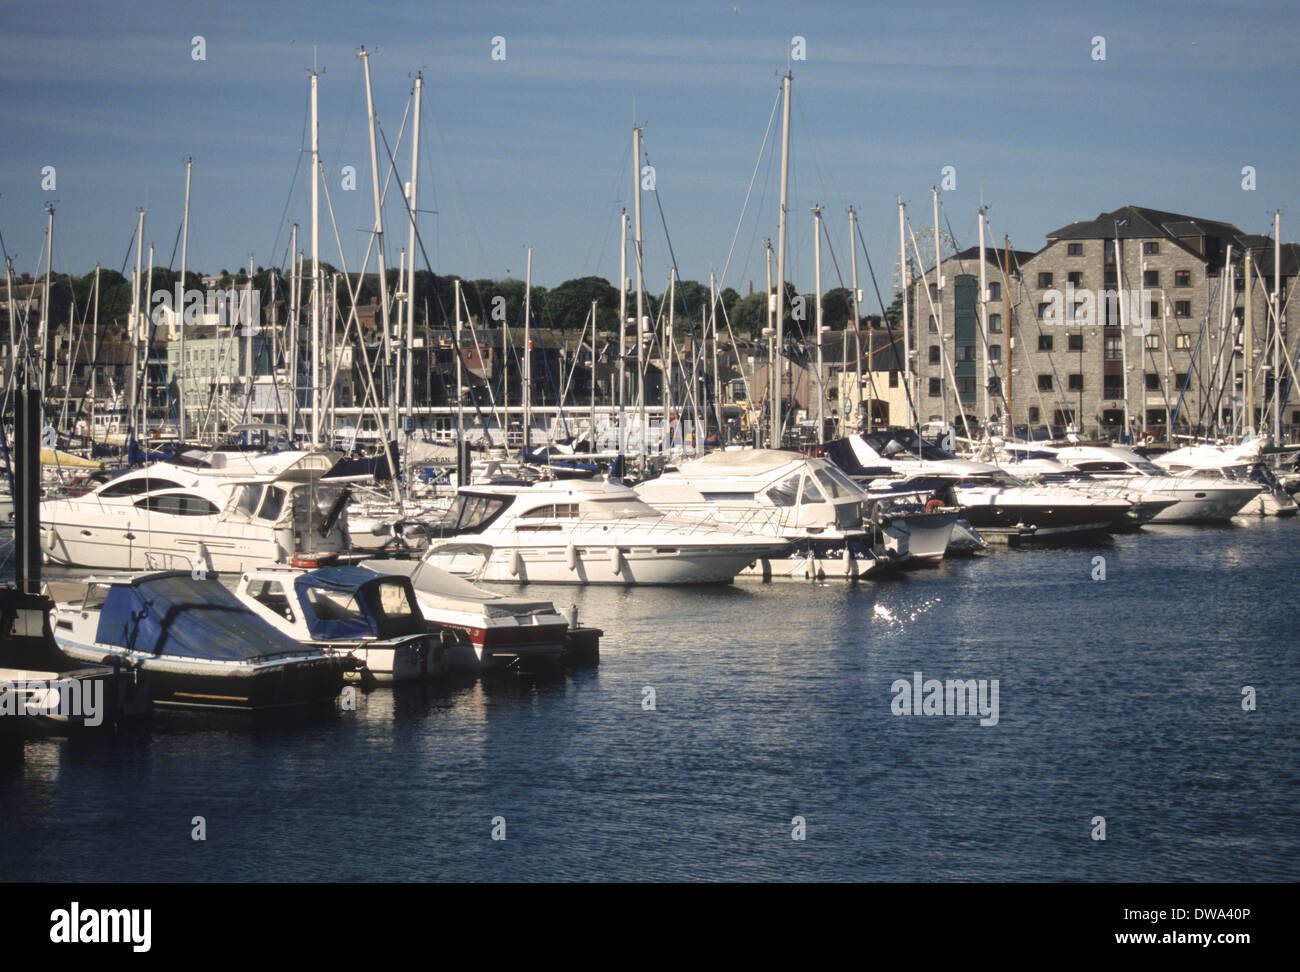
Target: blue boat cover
x,y
367,619
174,613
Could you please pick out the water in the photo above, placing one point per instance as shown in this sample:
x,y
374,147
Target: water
x,y
1118,698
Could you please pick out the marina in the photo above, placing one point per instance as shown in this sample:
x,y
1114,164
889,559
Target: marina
x,y
718,444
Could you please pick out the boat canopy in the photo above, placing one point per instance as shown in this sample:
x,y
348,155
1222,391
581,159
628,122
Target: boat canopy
x,y
347,603
174,613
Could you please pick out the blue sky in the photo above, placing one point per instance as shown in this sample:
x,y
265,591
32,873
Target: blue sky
x,y
536,149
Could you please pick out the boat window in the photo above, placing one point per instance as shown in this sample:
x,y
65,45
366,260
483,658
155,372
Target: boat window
x,y
272,595
177,504
836,483
249,497
550,511
333,605
394,601
616,508
1101,466
786,492
811,494
136,486
272,505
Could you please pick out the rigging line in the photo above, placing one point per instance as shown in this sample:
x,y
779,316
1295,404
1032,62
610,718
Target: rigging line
x,y
884,314
293,183
748,192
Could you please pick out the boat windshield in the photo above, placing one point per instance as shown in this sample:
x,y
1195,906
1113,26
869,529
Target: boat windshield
x,y
473,512
394,601
616,508
994,477
837,484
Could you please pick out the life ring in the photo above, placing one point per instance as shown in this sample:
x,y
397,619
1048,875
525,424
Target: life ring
x,y
934,504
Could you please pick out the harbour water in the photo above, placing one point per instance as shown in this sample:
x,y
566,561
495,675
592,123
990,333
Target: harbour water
x,y
718,716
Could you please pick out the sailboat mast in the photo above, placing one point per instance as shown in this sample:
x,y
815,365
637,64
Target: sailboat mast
x,y
135,327
905,282
938,310
778,411
180,309
45,301
528,350
315,266
984,323
147,337
1248,344
857,327
94,360
817,274
410,269
622,333
1277,326
383,278
291,347
717,377
640,294
460,380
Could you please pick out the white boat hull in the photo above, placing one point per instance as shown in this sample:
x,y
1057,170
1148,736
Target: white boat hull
x,y
599,565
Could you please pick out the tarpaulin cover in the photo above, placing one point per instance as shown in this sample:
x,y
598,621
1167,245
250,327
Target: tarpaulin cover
x,y
174,613
358,590
840,452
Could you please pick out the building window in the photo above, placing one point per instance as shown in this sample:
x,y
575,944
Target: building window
x,y
995,352
1150,278
934,354
1044,342
995,291
1043,309
1076,383
1114,349
1112,386
1044,382
965,352
893,379
1075,277
1033,415
1238,283
966,387
995,323
1076,310
1153,381
934,291
1111,279
1075,342
1150,247
1183,342
1153,310
1074,249
934,387
1182,278
1045,279
1180,379
1182,308
934,328
1153,342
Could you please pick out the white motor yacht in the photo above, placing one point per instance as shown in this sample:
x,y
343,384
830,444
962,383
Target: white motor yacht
x,y
1241,464
192,515
579,531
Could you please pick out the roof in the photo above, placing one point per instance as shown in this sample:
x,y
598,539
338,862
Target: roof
x,y
1138,222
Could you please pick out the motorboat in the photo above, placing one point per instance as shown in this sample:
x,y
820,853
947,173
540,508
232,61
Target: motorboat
x,y
1201,499
43,692
371,617
199,645
1242,464
220,515
830,523
582,531
503,631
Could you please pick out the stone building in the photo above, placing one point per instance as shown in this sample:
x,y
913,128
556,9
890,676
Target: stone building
x,y
1115,326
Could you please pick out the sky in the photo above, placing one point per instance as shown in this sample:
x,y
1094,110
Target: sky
x,y
533,147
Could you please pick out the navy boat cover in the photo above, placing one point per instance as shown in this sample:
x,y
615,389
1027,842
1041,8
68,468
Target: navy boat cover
x,y
174,613
367,618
